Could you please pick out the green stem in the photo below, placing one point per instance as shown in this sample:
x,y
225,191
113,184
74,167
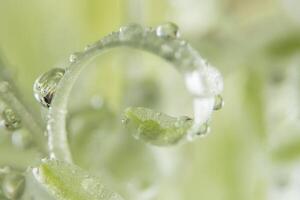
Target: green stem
x,y
10,99
174,50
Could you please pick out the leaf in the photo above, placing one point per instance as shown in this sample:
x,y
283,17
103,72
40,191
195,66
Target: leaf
x,y
155,127
69,182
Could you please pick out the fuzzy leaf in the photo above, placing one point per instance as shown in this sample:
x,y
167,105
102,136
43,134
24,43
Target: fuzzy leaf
x,y
155,127
69,182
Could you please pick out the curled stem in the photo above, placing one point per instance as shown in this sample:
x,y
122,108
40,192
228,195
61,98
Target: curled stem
x,y
165,44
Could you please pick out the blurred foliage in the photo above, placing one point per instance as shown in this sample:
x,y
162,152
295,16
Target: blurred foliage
x,y
256,46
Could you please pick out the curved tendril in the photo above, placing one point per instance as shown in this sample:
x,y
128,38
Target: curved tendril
x,y
204,82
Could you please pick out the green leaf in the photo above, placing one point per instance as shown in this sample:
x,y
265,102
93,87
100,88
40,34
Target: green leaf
x,y
155,127
69,182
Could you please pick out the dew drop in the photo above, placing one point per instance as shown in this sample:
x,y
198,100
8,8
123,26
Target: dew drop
x,y
214,80
74,57
45,86
219,102
13,185
11,120
21,139
204,81
204,129
168,30
130,31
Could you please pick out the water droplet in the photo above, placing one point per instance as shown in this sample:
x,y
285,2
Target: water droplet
x,y
219,102
168,30
22,139
74,57
204,129
204,81
213,80
195,82
11,120
45,86
13,185
130,31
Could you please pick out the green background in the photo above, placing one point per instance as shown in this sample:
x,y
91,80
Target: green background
x,y
253,148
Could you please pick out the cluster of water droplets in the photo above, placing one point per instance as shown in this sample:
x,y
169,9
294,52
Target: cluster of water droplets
x,y
12,184
20,137
10,120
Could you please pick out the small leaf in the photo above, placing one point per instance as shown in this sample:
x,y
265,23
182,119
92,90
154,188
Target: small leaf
x,y
69,182
155,127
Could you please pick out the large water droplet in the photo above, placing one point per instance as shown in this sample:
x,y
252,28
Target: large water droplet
x,y
13,185
45,86
21,139
168,30
219,102
130,31
11,120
